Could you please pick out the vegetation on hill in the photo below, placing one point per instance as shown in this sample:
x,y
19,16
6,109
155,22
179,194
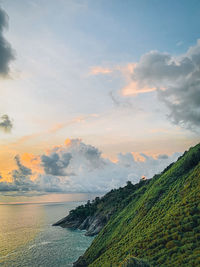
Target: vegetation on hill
x,y
94,215
157,221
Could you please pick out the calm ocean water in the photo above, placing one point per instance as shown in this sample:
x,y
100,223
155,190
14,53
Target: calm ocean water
x,y
26,236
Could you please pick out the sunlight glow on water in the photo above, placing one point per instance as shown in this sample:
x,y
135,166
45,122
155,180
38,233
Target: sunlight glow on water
x,y
19,225
27,237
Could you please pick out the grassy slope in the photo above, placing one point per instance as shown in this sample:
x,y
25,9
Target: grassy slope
x,y
161,225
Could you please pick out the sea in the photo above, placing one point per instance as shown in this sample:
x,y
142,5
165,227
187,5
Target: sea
x,y
27,237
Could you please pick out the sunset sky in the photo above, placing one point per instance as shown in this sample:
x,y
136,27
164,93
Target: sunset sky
x,y
121,77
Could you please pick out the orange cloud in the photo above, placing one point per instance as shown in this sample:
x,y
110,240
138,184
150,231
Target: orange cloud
x,y
137,156
56,127
30,158
67,142
100,70
133,89
33,162
127,70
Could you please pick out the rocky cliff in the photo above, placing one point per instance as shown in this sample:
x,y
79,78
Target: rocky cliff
x,y
92,223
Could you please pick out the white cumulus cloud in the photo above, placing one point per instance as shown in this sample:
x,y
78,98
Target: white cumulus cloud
x,y
78,167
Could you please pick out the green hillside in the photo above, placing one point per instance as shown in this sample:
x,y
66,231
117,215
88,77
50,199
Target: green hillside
x,y
160,224
94,215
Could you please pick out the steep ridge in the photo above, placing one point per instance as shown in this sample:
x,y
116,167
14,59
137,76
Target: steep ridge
x,y
94,215
160,222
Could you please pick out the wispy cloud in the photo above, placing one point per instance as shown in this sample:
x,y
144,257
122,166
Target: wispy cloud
x,y
96,70
120,102
59,126
52,130
134,88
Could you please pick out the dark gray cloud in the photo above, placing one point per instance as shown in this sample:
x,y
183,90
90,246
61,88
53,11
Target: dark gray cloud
x,y
91,152
22,169
4,187
177,80
55,164
6,56
93,156
183,101
21,176
5,123
6,52
20,179
155,68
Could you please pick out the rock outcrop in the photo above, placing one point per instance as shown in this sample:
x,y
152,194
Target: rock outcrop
x,y
92,224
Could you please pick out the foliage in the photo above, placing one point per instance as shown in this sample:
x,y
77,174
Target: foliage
x,y
110,203
134,262
157,220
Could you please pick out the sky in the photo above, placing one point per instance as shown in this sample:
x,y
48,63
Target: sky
x,y
95,93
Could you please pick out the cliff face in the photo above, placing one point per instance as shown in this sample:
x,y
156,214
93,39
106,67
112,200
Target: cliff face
x,y
92,223
159,221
